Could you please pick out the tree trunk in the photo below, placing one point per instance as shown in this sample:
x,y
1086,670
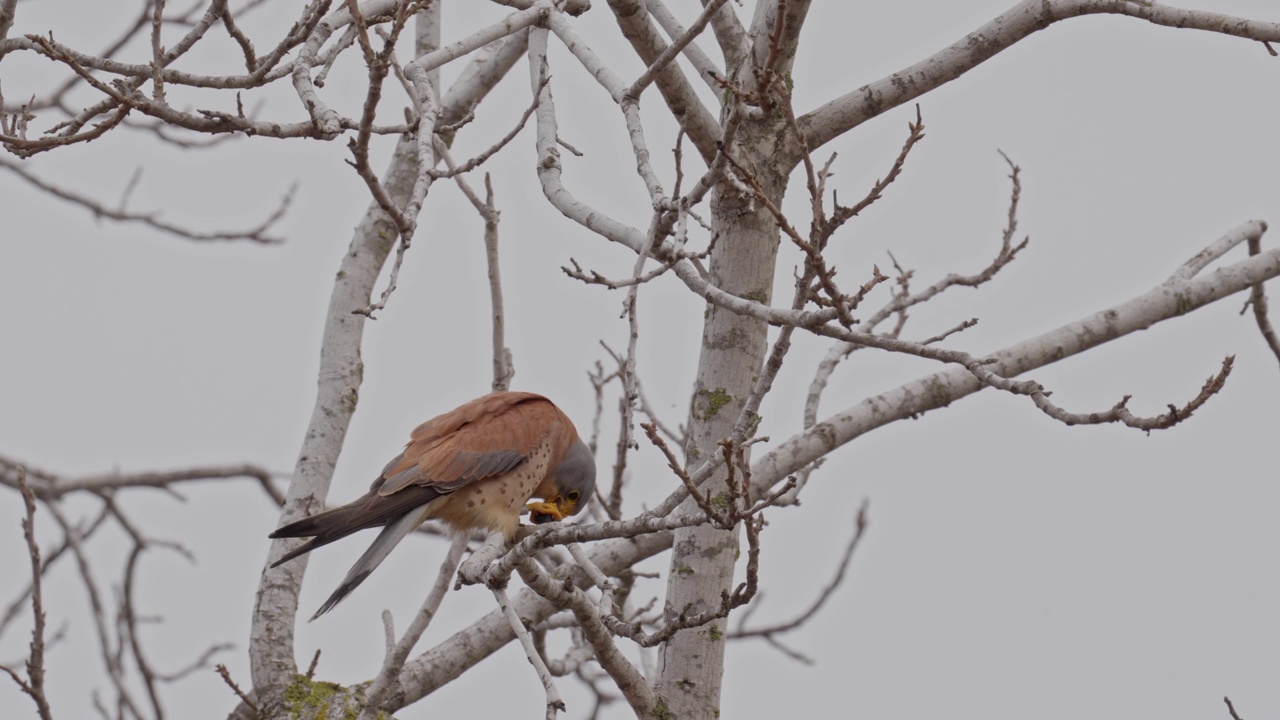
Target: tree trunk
x,y
733,351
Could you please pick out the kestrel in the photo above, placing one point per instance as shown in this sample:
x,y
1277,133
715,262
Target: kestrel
x,y
473,468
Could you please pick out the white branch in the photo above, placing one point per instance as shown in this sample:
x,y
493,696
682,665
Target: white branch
x,y
398,652
1176,296
509,25
554,702
671,26
679,42
619,92
852,109
549,170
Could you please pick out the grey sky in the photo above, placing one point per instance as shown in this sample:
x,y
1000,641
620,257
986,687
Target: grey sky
x,y
1014,568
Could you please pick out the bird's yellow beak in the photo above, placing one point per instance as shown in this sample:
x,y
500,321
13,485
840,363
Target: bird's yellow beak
x,y
553,510
544,512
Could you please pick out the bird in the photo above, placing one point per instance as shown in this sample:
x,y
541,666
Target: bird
x,y
473,468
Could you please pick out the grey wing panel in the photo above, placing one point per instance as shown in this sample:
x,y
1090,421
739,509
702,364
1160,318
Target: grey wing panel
x,y
470,465
466,465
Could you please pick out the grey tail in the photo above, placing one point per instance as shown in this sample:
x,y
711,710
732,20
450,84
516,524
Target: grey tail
x,y
323,529
372,510
391,535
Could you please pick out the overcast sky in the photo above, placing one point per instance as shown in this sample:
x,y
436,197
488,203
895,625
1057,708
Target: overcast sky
x,y
1014,568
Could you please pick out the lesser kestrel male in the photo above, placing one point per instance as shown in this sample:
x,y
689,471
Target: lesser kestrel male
x,y
474,468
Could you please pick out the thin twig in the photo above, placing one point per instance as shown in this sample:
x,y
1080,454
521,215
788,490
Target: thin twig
x,y
33,685
503,363
85,530
554,702
626,677
226,678
1258,300
257,234
770,632
315,660
398,652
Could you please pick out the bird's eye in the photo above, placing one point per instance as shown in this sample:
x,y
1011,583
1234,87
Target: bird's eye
x,y
573,495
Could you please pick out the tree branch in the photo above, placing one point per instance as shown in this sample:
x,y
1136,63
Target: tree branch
x,y
1258,300
770,631
1022,20
697,122
671,26
50,486
398,652
629,681
1173,298
33,685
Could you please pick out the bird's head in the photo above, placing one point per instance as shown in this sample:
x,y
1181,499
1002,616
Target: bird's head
x,y
573,483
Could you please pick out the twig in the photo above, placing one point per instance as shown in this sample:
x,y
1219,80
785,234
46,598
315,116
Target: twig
x,y
257,234
404,218
33,685
690,483
675,48
84,530
639,695
199,663
703,64
627,373
226,678
598,381
503,363
398,652
646,408
493,563
129,615
554,702
157,52
904,299
1120,412
948,333
112,654
770,632
591,277
478,160
1258,300
315,660
51,486
915,135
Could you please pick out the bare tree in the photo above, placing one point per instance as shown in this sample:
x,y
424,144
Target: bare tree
x,y
717,224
